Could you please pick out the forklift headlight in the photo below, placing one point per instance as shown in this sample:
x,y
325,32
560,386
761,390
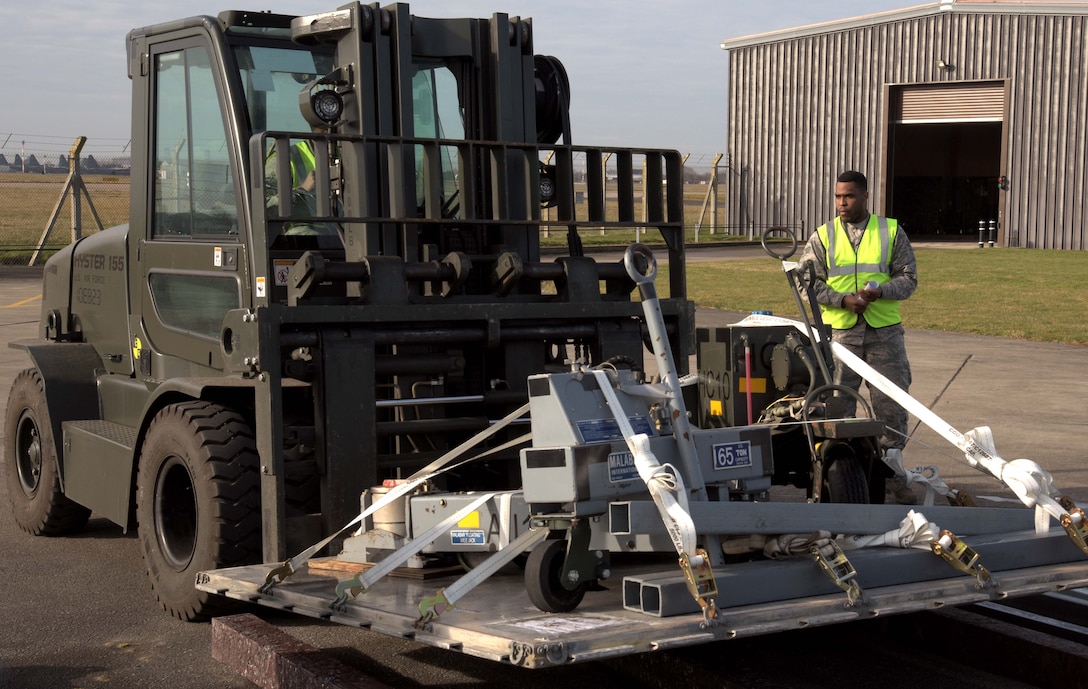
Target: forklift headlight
x,y
321,101
547,186
327,105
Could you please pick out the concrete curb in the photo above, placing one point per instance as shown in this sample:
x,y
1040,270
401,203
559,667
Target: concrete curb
x,y
273,659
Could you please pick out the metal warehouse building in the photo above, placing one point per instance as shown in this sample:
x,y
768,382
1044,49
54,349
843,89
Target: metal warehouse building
x,y
957,111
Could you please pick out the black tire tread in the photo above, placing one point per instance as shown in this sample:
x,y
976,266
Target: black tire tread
x,y
227,449
846,482
56,514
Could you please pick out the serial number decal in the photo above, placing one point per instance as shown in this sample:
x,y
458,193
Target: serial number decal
x,y
89,295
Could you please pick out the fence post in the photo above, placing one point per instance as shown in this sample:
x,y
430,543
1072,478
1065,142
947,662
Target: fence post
x,y
714,191
75,184
604,182
711,199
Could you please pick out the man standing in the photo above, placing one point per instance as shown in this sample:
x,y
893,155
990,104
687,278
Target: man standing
x,y
864,266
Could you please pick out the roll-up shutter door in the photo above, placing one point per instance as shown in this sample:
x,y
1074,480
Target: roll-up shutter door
x,y
965,102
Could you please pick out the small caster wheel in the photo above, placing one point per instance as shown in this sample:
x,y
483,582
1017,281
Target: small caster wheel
x,y
543,570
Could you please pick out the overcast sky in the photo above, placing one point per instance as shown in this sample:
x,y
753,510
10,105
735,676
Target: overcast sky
x,y
643,74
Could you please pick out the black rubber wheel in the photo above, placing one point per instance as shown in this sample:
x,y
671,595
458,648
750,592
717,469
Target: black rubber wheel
x,y
197,503
542,578
845,482
30,455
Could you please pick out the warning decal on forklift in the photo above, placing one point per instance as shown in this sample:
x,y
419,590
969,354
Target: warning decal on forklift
x,y
732,455
467,537
282,267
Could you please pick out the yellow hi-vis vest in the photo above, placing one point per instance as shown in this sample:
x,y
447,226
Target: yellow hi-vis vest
x,y
848,271
303,161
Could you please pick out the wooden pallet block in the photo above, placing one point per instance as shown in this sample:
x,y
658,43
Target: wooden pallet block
x,y
332,565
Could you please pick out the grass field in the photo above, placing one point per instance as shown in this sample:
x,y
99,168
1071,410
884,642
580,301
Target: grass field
x,y
1029,294
27,203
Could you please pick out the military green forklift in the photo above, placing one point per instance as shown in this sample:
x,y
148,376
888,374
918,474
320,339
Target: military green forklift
x,y
329,338
332,274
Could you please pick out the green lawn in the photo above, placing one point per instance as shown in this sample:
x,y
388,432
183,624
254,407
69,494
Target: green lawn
x,y
1029,294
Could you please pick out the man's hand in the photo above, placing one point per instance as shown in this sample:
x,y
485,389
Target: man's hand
x,y
855,303
870,294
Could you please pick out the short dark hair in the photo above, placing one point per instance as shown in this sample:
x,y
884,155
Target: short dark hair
x,y
854,177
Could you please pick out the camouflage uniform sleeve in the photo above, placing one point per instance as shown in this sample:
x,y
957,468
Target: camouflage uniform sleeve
x,y
814,262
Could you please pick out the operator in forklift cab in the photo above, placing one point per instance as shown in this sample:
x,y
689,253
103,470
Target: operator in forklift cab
x,y
303,201
864,266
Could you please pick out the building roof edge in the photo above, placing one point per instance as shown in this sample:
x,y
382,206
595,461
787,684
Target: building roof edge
x,y
934,8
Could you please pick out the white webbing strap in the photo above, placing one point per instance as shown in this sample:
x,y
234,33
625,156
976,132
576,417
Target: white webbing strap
x,y
428,472
664,483
445,598
363,581
915,531
666,487
1029,481
1032,484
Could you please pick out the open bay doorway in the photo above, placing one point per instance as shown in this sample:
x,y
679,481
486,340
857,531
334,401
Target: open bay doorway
x,y
945,155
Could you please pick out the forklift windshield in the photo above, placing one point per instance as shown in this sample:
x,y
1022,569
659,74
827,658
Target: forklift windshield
x,y
273,76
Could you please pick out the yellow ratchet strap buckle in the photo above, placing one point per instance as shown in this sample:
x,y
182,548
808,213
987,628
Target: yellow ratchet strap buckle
x,y
431,607
960,555
700,580
838,569
699,576
1075,523
275,576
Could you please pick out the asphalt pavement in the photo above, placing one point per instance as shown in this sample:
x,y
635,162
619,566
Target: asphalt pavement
x,y
78,612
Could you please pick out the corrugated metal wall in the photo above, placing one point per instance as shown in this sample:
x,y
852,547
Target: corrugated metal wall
x,y
802,109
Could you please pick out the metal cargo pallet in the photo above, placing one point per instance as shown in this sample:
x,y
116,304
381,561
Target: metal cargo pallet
x,y
496,621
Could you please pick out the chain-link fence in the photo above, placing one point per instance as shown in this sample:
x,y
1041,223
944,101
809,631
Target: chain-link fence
x,y
56,193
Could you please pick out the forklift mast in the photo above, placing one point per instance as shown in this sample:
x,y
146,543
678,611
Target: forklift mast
x,y
363,194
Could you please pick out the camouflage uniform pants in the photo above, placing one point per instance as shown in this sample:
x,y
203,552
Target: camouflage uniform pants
x,y
885,350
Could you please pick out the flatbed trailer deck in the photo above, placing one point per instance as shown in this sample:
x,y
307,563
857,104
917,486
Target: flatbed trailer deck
x,y
497,621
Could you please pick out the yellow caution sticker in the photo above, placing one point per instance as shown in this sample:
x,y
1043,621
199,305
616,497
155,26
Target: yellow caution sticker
x,y
137,347
470,521
759,385
716,407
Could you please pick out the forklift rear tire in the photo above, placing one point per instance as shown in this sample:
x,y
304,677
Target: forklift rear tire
x,y
543,570
197,503
37,501
845,482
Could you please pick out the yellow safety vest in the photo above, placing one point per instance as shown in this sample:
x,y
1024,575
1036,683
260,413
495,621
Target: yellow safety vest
x,y
848,271
303,161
